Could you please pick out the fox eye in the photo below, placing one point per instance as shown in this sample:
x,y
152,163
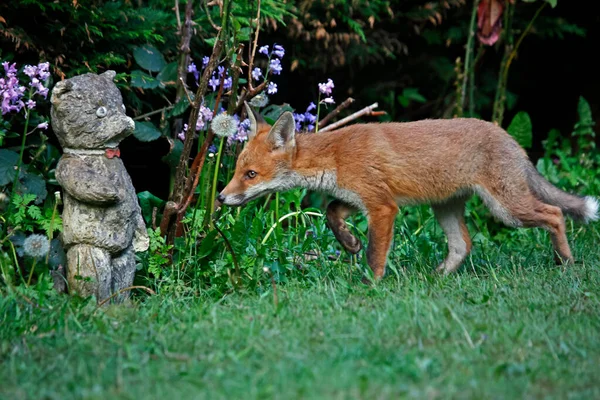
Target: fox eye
x,y
251,174
101,112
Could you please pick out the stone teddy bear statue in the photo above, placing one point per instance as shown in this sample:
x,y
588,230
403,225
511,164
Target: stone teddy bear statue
x,y
102,220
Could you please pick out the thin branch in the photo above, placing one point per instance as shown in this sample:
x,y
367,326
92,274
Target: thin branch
x,y
248,95
253,47
151,113
365,111
210,20
177,16
184,48
335,112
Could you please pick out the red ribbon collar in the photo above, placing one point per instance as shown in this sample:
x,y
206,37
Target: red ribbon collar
x,y
111,153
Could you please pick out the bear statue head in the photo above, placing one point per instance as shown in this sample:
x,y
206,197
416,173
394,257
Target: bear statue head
x,y
88,112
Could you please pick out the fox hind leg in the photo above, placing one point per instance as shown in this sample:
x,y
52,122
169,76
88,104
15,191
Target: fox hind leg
x,y
337,212
450,216
518,207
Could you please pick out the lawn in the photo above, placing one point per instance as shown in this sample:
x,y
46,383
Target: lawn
x,y
508,325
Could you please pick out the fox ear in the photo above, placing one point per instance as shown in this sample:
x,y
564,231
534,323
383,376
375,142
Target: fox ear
x,y
283,132
255,120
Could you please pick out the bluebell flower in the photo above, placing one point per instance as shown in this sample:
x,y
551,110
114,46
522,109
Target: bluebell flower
x,y
275,66
326,88
278,51
264,50
272,88
256,73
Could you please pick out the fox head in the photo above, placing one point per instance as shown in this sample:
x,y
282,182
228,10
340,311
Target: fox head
x,y
265,164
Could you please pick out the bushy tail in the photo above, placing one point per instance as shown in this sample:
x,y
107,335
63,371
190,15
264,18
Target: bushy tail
x,y
579,208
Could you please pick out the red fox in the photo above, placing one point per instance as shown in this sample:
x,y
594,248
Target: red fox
x,y
377,167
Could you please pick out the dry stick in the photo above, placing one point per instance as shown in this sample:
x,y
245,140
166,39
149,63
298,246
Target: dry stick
x,y
253,48
209,17
167,225
177,17
365,111
196,169
248,95
237,68
151,113
185,31
147,289
335,112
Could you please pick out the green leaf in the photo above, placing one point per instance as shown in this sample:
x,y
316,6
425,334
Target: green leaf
x,y
521,129
208,244
585,112
149,58
8,162
180,107
168,75
552,3
147,202
35,185
142,80
146,131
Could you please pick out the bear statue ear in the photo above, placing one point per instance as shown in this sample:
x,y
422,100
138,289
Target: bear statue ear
x,y
61,88
110,74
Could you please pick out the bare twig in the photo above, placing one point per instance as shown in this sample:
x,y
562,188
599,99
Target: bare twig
x,y
248,95
365,111
177,16
185,31
210,20
335,112
237,68
151,113
169,223
106,300
253,48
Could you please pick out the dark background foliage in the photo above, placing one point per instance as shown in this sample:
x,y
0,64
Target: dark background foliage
x,y
374,51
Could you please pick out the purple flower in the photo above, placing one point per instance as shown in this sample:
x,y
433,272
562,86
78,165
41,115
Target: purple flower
x,y
181,135
326,88
43,125
30,71
214,82
328,100
193,70
264,50
228,83
272,88
256,73
42,91
30,104
11,92
43,72
212,149
206,113
311,106
278,51
205,61
275,66
299,119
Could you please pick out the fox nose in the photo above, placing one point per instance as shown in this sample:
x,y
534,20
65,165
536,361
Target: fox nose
x,y
220,198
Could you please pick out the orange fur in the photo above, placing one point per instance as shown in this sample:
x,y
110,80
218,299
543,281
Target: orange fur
x,y
375,168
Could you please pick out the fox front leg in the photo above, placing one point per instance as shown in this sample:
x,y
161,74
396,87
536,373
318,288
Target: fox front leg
x,y
337,212
381,231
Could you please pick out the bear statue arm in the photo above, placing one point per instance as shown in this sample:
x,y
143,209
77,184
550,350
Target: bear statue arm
x,y
82,182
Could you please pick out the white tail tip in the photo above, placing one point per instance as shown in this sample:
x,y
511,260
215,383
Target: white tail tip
x,y
591,208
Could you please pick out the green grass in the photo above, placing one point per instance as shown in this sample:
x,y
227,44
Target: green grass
x,y
508,325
